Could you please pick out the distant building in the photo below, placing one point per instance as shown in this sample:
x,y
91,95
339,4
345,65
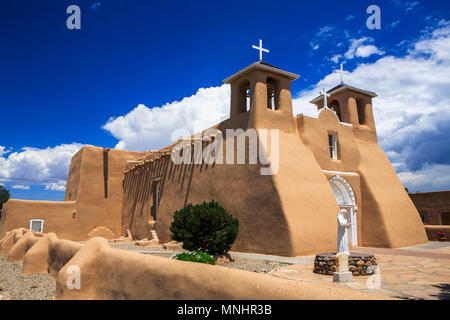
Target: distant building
x,y
433,207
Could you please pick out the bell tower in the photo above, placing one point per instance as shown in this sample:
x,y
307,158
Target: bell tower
x,y
351,105
263,91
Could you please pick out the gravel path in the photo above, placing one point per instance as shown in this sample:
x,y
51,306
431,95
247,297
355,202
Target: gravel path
x,y
254,265
24,287
15,286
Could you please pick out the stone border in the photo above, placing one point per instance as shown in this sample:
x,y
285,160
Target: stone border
x,y
359,264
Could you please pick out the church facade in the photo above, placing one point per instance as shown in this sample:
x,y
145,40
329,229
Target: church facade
x,y
327,163
324,164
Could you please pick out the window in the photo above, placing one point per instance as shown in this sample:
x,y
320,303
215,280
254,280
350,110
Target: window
x,y
332,143
445,218
271,94
334,105
423,216
245,97
247,100
37,225
361,112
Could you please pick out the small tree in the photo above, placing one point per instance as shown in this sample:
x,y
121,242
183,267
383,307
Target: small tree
x,y
4,196
207,227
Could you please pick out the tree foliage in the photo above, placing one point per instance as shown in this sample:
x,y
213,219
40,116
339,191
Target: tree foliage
x,y
207,227
4,195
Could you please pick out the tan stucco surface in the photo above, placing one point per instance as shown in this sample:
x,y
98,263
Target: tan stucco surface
x,y
93,198
108,273
292,212
57,216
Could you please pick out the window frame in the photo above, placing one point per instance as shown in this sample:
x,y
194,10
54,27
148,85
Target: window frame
x,y
41,221
333,147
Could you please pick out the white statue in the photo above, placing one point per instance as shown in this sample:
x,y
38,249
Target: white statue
x,y
343,225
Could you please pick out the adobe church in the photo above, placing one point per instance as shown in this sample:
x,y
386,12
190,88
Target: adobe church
x,y
327,162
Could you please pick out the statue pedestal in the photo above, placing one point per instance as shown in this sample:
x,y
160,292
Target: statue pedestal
x,y
345,276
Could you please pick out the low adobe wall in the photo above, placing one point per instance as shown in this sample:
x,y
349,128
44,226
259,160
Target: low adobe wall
x,y
107,273
432,231
57,215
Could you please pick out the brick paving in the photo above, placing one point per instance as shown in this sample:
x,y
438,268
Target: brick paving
x,y
421,272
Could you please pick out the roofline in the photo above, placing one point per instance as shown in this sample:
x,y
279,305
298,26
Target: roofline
x,y
440,191
257,65
346,86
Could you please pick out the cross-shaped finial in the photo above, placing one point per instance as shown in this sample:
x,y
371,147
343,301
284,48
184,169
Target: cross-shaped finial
x,y
341,71
325,95
261,49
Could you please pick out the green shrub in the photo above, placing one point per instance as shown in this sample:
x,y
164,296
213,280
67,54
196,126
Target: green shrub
x,y
207,227
195,256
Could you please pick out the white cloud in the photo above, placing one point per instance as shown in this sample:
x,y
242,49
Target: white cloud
x,y
95,5
393,24
406,5
56,186
412,108
31,166
411,5
3,151
20,186
350,17
146,128
336,58
325,30
430,177
314,46
368,50
358,48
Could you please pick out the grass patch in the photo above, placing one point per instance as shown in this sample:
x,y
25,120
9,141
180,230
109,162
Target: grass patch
x,y
195,256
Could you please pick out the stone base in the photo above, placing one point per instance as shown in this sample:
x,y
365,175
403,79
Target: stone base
x,y
345,276
359,264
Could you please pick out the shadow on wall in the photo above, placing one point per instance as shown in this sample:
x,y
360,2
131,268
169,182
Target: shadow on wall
x,y
235,187
84,271
445,291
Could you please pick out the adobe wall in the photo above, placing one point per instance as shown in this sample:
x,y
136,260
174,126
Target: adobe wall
x,y
98,189
73,179
385,202
93,197
57,215
107,273
432,232
386,216
290,213
432,204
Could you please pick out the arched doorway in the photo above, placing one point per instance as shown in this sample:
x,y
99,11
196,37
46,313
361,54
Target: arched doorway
x,y
345,198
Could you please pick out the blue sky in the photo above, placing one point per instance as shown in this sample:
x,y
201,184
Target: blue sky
x,y
136,65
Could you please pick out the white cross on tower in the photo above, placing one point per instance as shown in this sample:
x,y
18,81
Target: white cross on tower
x,y
261,49
341,71
325,95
